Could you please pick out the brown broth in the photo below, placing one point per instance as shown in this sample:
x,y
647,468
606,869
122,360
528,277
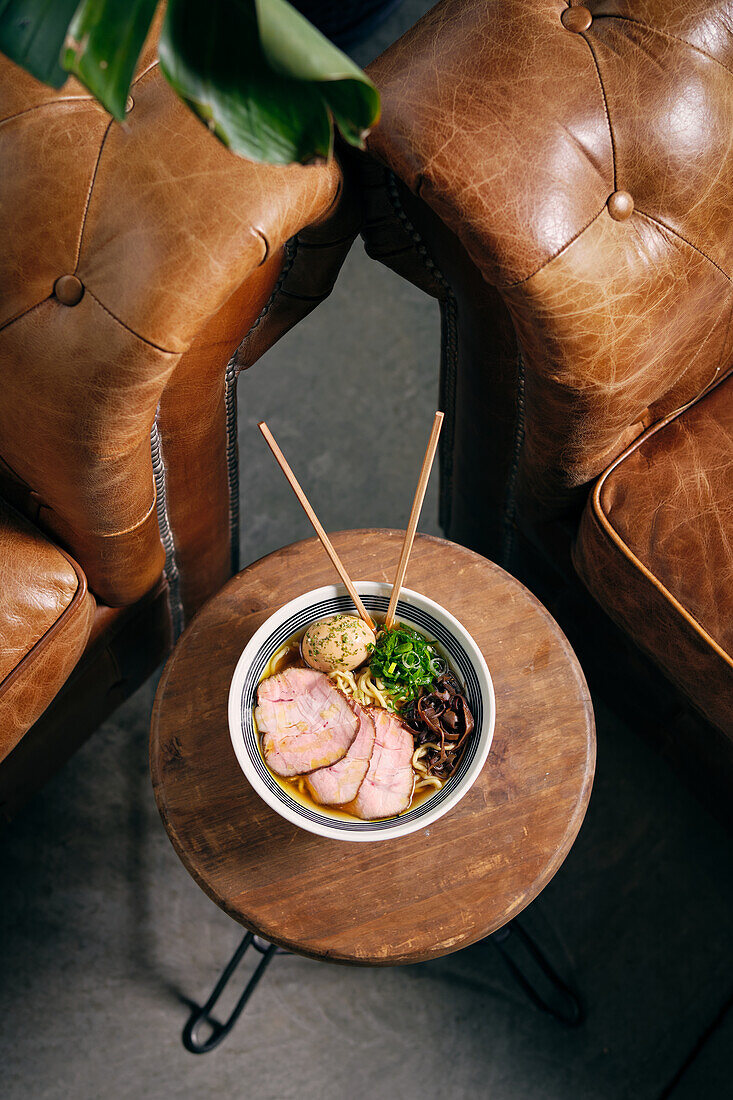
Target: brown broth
x,y
290,786
292,659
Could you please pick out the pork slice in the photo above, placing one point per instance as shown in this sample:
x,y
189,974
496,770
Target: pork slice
x,y
305,721
390,779
339,783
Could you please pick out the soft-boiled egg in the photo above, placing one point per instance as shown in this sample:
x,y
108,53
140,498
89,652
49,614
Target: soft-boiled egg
x,y
340,643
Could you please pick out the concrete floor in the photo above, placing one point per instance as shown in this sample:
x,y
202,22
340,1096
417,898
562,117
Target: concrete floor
x,y
104,937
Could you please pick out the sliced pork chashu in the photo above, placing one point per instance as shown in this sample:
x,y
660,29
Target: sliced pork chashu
x,y
340,783
390,779
305,721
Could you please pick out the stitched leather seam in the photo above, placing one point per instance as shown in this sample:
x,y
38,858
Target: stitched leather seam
x,y
142,339
89,194
421,248
69,528
130,530
657,584
230,419
113,534
83,99
658,221
24,313
665,34
59,624
151,66
165,530
290,249
605,106
606,525
554,256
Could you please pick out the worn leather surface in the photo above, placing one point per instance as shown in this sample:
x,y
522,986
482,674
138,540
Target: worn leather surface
x,y
310,269
46,615
126,644
163,226
655,548
517,132
192,425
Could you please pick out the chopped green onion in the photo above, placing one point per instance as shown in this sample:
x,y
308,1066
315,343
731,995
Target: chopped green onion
x,y
405,661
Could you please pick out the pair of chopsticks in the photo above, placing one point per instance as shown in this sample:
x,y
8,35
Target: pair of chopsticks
x,y
328,546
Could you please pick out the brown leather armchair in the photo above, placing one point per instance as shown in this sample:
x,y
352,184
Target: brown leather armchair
x,y
560,178
136,261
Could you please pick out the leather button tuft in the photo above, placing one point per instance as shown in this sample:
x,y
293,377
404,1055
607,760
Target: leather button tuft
x,y
69,290
129,104
576,19
620,206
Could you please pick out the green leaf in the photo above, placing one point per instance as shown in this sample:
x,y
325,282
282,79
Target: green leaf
x,y
296,49
211,55
105,40
32,34
354,106
263,79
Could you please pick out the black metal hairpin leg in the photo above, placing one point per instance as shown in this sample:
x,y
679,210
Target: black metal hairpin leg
x,y
568,1007
565,1003
203,1014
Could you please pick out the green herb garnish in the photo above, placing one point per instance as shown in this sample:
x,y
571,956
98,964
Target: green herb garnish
x,y
405,661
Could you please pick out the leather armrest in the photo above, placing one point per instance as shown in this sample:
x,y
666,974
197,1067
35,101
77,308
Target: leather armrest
x,y
562,147
46,614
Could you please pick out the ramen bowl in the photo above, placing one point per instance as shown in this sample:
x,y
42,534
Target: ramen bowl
x,y
432,620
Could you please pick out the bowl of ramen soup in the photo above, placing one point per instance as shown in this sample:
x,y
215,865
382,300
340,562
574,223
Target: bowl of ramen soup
x,y
357,734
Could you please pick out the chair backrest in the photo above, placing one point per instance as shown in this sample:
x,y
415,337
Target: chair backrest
x,y
584,158
125,249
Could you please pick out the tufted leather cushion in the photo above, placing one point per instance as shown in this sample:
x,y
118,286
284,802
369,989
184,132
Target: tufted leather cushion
x,y
46,616
159,226
656,549
586,166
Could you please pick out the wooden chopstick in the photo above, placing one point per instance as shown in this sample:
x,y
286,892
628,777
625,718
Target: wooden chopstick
x,y
417,503
325,540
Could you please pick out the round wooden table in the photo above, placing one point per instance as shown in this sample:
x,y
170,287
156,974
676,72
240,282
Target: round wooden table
x,y
398,901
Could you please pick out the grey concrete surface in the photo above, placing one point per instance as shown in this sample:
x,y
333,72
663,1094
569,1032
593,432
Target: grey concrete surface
x,y
104,937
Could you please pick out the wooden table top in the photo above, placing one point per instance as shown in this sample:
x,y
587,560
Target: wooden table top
x,y
397,901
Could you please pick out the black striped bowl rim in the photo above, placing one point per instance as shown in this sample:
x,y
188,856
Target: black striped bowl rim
x,y
412,608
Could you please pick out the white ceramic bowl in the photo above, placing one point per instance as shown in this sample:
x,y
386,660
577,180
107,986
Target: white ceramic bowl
x,y
425,615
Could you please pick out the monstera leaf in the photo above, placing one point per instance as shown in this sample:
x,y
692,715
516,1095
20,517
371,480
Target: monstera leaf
x,y
32,33
294,48
264,79
258,74
103,44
